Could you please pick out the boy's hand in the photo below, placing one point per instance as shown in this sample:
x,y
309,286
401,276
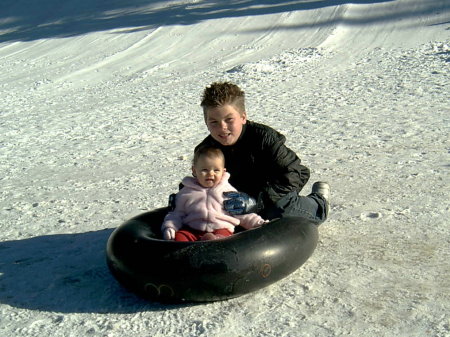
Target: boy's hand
x,y
238,203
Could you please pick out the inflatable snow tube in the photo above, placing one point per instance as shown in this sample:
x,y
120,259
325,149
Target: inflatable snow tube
x,y
202,271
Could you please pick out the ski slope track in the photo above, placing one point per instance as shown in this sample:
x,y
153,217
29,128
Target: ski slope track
x,y
99,114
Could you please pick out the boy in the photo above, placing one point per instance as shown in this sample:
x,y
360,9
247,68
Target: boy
x,y
270,174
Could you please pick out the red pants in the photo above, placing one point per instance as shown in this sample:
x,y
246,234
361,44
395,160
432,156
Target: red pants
x,y
188,234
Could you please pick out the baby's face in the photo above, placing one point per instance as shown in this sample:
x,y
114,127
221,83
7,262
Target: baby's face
x,y
209,171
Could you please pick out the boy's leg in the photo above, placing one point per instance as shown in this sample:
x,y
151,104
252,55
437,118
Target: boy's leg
x,y
312,207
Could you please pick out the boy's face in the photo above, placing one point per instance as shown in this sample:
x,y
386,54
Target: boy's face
x,y
209,171
225,123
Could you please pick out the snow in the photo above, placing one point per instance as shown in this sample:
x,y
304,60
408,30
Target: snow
x,y
99,111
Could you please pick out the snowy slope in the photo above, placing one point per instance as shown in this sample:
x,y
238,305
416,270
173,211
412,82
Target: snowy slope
x,y
99,113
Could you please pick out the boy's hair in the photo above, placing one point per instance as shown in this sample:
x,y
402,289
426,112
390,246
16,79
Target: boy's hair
x,y
208,151
221,93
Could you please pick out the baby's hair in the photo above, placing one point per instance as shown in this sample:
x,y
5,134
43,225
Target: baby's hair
x,y
222,93
208,151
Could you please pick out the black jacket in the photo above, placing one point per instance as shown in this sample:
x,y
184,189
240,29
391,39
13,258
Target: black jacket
x,y
261,165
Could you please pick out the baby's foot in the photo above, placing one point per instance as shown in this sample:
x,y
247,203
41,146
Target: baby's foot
x,y
211,236
208,236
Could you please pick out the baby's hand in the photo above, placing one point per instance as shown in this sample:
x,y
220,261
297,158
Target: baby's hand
x,y
261,222
169,234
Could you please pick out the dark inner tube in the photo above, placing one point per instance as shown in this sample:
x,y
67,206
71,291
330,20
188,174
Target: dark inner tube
x,y
206,270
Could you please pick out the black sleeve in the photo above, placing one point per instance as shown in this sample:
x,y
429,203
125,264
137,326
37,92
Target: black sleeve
x,y
286,171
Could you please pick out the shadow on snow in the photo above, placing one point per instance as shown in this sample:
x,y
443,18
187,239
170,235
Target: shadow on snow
x,y
24,20
65,273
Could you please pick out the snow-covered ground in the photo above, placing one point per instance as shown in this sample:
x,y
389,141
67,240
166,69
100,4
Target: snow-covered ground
x,y
99,114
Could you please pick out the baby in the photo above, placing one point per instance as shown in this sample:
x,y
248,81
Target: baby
x,y
199,213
